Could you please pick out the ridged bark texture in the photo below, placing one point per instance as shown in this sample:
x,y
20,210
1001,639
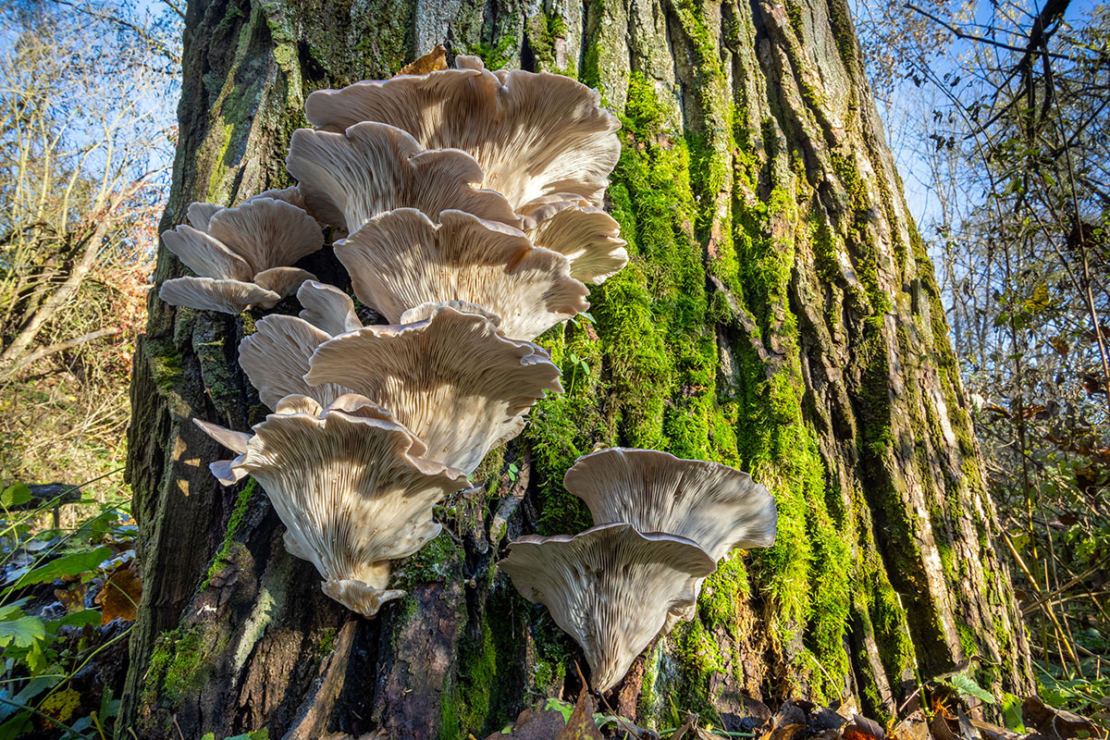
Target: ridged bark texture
x,y
779,315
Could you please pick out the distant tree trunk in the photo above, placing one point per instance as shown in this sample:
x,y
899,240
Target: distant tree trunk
x,y
780,315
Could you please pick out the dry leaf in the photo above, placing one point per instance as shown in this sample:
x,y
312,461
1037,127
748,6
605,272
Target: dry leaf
x,y
120,596
433,61
73,599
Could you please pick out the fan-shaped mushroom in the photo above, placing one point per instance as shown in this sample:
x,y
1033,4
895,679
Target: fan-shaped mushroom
x,y
348,178
402,259
533,134
611,588
351,487
242,256
452,379
714,505
328,308
275,359
588,237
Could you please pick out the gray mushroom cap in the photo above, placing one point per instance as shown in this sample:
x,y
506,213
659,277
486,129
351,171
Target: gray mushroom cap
x,y
327,308
714,505
532,134
402,259
208,294
611,588
452,379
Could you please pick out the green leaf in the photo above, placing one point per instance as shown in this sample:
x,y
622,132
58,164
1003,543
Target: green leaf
x,y
67,565
89,617
564,708
967,686
15,495
1011,713
22,632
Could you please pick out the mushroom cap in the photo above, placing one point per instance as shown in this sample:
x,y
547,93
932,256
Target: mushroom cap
x,y
276,358
327,308
452,379
348,178
402,259
714,505
611,588
206,294
533,134
588,237
224,470
350,491
204,255
266,233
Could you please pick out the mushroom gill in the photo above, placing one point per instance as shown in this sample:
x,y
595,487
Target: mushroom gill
x,y
533,134
611,588
353,490
276,358
588,237
242,256
348,178
457,383
402,259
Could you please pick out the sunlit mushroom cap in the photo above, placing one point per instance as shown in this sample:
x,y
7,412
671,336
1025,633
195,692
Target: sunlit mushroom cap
x,y
224,470
243,256
533,134
348,178
327,308
225,296
611,588
714,505
588,237
402,259
275,359
452,379
348,484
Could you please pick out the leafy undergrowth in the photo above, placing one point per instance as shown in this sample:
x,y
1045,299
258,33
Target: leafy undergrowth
x,y
68,597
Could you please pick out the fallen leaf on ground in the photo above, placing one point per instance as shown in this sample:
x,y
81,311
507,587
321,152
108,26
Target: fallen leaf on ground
x,y
120,596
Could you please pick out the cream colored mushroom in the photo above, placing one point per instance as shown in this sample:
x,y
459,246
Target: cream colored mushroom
x,y
327,308
611,588
452,379
714,505
532,134
243,256
348,178
276,358
207,294
588,237
351,487
402,259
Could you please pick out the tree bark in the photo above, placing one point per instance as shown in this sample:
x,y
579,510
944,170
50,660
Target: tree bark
x,y
779,315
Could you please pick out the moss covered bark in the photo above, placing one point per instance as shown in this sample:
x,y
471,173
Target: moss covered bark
x,y
779,315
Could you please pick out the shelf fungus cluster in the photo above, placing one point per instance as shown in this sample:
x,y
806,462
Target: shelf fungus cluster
x,y
465,206
661,526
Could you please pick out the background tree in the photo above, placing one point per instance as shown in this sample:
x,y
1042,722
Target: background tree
x,y
780,314
83,159
1013,144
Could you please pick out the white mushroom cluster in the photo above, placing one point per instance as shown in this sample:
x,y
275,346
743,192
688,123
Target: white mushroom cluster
x,y
661,526
465,206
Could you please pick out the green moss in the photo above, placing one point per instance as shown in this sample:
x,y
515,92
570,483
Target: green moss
x,y
175,668
234,522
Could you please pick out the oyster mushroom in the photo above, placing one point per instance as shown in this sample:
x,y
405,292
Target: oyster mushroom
x,y
458,384
327,308
352,488
588,237
714,505
532,134
348,178
242,256
276,358
402,259
611,588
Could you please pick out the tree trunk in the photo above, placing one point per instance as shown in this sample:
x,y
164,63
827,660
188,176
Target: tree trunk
x,y
779,315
